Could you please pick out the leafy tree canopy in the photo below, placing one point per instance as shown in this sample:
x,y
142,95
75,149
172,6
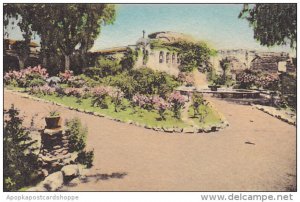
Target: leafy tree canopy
x,y
273,24
62,27
194,55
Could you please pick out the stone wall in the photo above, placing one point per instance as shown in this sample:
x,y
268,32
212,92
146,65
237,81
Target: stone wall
x,y
160,60
243,59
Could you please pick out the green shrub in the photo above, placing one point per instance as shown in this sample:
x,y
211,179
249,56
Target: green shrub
x,y
198,100
153,82
86,158
12,82
288,89
36,82
193,55
94,73
78,134
128,60
20,163
76,82
77,142
123,81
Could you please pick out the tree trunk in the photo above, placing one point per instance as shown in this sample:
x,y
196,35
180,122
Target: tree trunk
x,y
21,63
67,62
45,61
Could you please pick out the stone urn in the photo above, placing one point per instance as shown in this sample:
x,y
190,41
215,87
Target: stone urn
x,y
53,122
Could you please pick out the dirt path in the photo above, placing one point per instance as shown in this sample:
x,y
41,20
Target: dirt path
x,y
133,158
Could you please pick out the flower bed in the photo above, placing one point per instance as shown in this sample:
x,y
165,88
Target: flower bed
x,y
149,119
151,110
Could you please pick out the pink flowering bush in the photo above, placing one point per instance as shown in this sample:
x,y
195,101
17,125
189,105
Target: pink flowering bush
x,y
249,78
76,92
76,82
66,76
142,101
116,97
99,95
42,90
177,102
24,77
161,106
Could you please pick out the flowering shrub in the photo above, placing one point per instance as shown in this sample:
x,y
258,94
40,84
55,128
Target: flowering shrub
x,y
76,82
12,76
76,92
99,95
268,81
161,105
42,72
177,101
66,76
249,78
44,90
246,79
142,101
116,97
24,77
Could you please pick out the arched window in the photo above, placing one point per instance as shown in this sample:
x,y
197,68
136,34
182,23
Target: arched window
x,y
168,58
178,58
161,57
173,58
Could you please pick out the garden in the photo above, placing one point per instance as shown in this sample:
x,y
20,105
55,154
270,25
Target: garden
x,y
140,96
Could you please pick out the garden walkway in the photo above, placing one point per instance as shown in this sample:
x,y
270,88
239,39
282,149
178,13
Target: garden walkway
x,y
256,152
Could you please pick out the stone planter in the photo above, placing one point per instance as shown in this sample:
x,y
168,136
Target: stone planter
x,y
53,122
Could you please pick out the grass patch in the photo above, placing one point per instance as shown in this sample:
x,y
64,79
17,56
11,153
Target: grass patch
x,y
126,113
212,117
19,89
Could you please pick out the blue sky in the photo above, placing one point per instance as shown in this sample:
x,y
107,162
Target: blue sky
x,y
217,24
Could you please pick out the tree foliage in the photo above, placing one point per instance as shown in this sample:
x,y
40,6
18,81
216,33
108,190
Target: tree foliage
x,y
20,163
273,24
193,55
224,64
62,27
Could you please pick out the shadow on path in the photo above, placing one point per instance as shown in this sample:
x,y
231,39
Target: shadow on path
x,y
96,178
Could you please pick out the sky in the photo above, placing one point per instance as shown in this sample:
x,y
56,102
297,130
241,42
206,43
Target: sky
x,y
217,24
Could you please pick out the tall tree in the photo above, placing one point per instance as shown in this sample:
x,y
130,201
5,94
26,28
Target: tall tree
x,y
273,24
224,64
22,13
64,27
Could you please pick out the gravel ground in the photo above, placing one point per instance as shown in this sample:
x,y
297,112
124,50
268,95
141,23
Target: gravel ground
x,y
256,152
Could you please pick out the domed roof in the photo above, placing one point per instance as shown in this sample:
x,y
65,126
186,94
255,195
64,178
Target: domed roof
x,y
171,37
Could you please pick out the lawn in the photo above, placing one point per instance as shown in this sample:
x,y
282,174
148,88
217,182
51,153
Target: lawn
x,y
212,117
142,116
127,113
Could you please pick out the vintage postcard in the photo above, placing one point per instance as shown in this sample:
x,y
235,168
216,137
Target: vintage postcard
x,y
149,97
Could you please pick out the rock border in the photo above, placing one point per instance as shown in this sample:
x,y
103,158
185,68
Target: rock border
x,y
261,108
55,181
208,129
